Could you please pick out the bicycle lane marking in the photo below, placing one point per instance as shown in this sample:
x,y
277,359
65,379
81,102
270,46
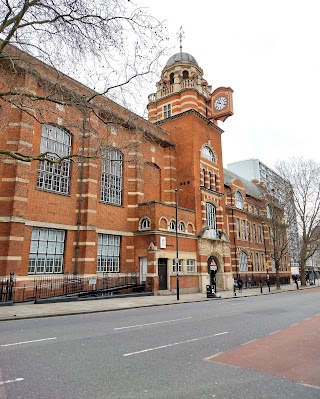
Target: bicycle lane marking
x,y
292,353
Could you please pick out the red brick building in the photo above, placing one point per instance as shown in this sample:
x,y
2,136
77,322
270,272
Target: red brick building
x,y
112,209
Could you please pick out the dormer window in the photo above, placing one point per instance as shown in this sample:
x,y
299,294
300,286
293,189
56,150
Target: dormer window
x,y
185,75
167,111
207,153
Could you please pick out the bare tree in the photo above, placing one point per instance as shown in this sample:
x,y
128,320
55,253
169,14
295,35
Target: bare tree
x,y
278,220
110,46
304,177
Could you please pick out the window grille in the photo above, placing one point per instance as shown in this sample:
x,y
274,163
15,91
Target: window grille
x,y
243,262
145,224
56,143
108,260
46,251
181,227
190,265
172,225
174,269
111,176
207,153
167,111
239,200
211,216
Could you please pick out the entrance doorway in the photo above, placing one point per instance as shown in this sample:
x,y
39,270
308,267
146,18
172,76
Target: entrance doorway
x,y
143,270
163,273
212,270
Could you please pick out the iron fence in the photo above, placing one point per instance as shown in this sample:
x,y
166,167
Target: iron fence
x,y
253,281
66,285
7,289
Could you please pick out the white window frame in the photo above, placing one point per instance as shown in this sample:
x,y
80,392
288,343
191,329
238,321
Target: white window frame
x,y
167,111
145,224
46,251
172,225
108,257
243,261
211,216
181,227
191,265
180,265
239,200
257,262
56,143
111,176
207,153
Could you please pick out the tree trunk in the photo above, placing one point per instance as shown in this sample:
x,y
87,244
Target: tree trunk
x,y
277,275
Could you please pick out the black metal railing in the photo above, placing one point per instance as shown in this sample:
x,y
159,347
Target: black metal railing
x,y
7,289
66,285
253,281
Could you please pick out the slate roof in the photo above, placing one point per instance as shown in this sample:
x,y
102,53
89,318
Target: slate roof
x,y
251,189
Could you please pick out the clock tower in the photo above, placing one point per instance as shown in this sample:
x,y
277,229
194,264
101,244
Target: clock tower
x,y
188,110
182,87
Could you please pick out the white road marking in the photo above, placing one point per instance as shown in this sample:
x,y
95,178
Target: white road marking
x,y
249,342
274,332
150,324
8,381
175,343
28,342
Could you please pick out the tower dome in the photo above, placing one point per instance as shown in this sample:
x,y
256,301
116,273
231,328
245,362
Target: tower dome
x,y
181,57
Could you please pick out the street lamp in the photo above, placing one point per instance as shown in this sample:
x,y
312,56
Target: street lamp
x,y
265,257
177,243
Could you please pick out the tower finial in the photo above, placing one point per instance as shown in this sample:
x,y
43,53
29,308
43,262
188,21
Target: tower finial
x,y
180,36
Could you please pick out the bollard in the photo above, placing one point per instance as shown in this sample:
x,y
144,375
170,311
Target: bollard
x,y
260,286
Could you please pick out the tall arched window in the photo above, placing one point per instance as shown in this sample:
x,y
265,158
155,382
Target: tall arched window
x,y
243,262
171,78
211,216
111,176
185,75
239,200
56,142
207,153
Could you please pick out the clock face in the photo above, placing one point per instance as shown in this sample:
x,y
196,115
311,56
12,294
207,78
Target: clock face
x,y
220,103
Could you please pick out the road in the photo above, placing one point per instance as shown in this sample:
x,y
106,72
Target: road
x,y
256,347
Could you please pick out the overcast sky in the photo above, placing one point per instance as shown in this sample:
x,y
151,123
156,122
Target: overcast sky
x,y
268,53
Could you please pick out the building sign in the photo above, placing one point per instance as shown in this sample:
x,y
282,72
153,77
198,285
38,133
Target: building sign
x,y
163,242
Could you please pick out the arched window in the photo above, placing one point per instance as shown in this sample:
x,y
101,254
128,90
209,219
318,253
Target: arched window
x,y
268,212
56,142
239,200
207,153
243,262
211,216
145,224
111,176
185,75
172,225
171,78
181,227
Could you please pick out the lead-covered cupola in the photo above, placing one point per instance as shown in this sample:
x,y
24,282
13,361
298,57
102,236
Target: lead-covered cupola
x,y
182,87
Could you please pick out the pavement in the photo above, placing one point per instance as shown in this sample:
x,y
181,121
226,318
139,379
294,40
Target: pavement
x,y
31,310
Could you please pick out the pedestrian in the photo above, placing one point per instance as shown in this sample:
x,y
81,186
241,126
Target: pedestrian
x,y
240,284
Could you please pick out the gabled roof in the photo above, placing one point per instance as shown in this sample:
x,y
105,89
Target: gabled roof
x,y
251,189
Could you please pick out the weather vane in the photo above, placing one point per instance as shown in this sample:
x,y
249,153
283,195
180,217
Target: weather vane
x,y
180,36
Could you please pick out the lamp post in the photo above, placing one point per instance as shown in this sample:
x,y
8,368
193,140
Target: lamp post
x,y
177,243
265,257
